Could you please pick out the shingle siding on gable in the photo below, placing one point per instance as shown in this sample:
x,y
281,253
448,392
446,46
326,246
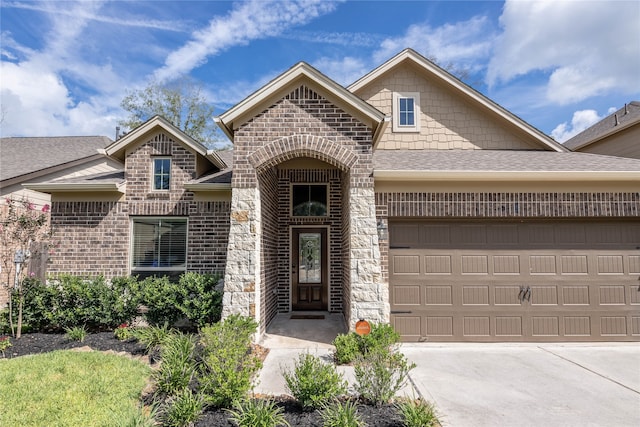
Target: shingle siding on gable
x,y
447,121
93,238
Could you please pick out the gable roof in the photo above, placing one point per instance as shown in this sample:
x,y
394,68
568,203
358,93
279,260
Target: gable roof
x,y
117,149
625,117
434,72
25,158
281,85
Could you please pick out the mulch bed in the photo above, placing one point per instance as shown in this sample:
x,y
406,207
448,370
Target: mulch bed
x,y
37,343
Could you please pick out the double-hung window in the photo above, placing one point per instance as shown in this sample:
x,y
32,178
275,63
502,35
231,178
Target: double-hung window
x,y
406,111
159,246
161,173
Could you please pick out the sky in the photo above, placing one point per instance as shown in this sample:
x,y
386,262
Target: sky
x,y
560,65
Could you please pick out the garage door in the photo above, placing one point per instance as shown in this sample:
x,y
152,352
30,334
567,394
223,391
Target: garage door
x,y
515,281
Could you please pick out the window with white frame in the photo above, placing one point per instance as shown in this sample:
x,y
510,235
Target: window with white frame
x,y
161,173
406,111
159,246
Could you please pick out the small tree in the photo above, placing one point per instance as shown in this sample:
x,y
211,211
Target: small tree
x,y
21,226
181,102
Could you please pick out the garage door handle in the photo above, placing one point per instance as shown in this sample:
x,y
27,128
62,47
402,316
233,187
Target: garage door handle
x,y
520,294
527,294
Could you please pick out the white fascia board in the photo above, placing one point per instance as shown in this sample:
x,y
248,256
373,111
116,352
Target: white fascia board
x,y
207,187
522,176
51,187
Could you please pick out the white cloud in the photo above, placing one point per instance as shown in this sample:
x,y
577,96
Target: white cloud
x,y
460,43
247,21
343,70
35,96
587,47
581,120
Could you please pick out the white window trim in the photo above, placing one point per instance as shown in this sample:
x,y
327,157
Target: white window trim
x,y
153,173
396,111
132,269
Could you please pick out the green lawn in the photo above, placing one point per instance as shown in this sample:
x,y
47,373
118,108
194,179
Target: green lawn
x,y
66,388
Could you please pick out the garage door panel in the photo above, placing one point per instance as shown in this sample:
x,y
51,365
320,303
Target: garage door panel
x,y
545,326
506,264
406,264
406,295
507,295
542,264
613,326
574,264
474,264
577,326
438,295
437,264
447,289
439,326
575,295
610,264
475,295
612,295
544,295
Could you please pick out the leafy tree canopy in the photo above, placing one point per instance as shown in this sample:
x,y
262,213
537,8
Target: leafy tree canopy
x,y
182,103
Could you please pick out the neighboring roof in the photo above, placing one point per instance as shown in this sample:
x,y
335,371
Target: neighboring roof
x,y
624,118
410,55
281,85
215,181
36,156
117,150
105,181
501,164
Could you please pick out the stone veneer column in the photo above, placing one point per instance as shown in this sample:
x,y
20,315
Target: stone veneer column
x,y
369,292
242,275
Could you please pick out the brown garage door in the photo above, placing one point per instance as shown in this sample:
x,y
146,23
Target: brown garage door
x,y
515,281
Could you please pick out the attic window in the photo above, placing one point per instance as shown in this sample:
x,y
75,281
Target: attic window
x,y
161,173
406,111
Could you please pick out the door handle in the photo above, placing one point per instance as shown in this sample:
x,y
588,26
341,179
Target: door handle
x,y
520,294
527,294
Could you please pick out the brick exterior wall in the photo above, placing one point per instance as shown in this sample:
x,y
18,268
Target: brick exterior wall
x,y
302,124
93,238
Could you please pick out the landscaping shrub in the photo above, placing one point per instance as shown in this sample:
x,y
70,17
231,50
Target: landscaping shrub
x,y
200,303
228,365
77,333
183,410
70,301
178,364
153,336
257,413
417,413
349,346
341,414
314,383
380,374
193,298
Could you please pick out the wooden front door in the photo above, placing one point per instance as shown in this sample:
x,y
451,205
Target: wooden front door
x,y
309,268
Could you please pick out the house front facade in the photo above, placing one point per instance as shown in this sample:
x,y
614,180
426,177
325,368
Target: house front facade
x,y
406,197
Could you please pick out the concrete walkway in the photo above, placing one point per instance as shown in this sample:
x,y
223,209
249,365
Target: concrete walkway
x,y
478,385
565,385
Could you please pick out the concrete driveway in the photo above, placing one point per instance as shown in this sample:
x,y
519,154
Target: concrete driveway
x,y
493,385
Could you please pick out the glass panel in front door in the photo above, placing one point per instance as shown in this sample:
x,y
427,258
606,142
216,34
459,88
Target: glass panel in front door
x,y
309,258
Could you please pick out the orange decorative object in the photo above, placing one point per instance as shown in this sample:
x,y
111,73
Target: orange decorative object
x,y
363,327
